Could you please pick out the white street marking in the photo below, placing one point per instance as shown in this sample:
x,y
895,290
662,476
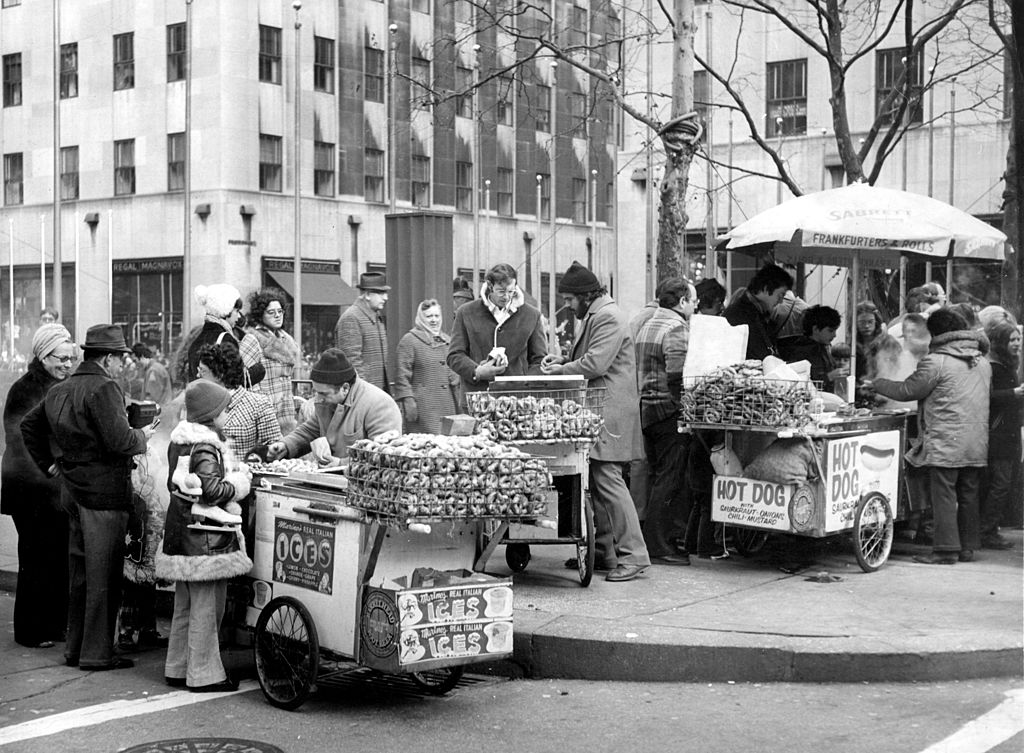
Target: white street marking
x,y
106,712
988,730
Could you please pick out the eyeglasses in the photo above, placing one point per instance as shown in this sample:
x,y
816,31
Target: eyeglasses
x,y
63,359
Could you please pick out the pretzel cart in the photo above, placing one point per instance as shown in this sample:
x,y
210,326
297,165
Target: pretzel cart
x,y
558,418
373,566
854,462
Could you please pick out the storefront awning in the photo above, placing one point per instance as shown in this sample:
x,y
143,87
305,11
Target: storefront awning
x,y
317,289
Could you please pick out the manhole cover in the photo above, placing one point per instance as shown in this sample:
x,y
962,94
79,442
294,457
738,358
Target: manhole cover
x,y
204,745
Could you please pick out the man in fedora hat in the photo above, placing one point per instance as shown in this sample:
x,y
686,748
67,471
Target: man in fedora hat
x,y
80,432
361,333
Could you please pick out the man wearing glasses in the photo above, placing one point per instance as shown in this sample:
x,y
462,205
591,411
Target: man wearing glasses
x,y
85,420
497,334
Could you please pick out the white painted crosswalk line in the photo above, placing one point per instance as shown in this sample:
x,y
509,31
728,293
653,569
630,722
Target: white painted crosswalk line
x,y
107,712
988,730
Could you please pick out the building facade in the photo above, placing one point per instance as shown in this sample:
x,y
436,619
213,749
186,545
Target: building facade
x,y
402,105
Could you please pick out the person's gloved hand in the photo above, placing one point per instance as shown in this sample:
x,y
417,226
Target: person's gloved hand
x,y
410,409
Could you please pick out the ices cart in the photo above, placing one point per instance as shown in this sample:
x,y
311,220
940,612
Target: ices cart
x,y
344,573
557,418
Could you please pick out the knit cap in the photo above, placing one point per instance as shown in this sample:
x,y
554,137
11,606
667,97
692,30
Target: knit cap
x,y
205,400
578,280
47,338
332,368
219,300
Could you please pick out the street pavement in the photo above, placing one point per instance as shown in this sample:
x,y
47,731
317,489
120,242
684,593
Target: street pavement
x,y
801,611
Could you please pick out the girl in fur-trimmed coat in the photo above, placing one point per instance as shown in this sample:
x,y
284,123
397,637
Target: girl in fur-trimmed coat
x,y
201,562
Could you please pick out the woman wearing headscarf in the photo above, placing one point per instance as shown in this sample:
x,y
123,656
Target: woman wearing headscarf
x,y
223,306
33,500
280,352
425,388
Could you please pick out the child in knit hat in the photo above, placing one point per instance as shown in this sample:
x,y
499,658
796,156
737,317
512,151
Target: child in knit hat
x,y
199,560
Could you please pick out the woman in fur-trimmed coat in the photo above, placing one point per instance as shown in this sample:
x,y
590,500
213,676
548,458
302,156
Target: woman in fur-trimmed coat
x,y
201,562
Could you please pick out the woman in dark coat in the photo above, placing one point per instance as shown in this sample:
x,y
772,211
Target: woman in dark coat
x,y
223,306
33,500
425,387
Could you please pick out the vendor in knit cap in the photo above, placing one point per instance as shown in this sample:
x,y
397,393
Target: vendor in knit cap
x,y
603,353
347,408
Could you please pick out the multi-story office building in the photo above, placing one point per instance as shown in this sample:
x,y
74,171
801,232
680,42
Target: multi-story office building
x,y
386,122
955,151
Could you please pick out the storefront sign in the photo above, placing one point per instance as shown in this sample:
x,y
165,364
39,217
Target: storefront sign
x,y
749,502
304,554
855,466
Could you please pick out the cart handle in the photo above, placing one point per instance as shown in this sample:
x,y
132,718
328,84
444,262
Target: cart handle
x,y
348,514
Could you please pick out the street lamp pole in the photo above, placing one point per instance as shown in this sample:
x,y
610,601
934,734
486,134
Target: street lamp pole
x,y
57,273
186,260
297,161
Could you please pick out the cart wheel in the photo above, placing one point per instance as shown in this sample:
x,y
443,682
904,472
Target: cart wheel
x,y
287,652
438,681
749,541
586,548
872,531
517,556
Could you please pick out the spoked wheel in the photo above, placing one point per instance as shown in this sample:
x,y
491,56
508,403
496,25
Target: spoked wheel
x,y
749,541
438,681
586,548
517,557
872,531
287,652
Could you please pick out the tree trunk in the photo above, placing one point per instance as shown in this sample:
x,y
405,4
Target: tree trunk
x,y
1013,195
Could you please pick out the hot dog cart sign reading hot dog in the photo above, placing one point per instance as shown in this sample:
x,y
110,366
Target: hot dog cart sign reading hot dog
x,y
855,466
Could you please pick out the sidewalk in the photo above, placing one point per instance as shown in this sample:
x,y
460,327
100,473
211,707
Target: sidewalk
x,y
749,621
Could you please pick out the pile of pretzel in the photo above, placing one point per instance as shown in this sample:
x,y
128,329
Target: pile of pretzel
x,y
740,395
510,418
425,476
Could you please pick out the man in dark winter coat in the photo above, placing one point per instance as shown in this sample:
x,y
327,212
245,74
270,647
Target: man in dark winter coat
x,y
755,305
84,418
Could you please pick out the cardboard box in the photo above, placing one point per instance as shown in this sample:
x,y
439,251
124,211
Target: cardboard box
x,y
458,426
403,629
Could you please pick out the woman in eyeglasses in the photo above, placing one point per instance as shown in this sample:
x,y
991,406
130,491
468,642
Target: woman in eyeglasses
x,y
280,352
33,500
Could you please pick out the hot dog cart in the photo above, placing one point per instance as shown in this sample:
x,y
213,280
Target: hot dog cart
x,y
359,566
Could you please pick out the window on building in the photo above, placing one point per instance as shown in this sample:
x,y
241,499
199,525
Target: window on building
x,y
419,175
609,203
542,108
270,163
176,162
323,64
464,186
539,12
270,54
419,92
12,80
578,114
124,167
579,201
373,76
836,176
373,175
889,67
787,98
503,105
545,195
68,173
577,25
124,61
13,179
503,192
323,168
11,3
421,6
69,70
702,95
176,43
464,86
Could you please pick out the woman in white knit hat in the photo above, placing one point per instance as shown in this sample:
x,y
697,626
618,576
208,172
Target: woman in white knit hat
x,y
222,326
33,500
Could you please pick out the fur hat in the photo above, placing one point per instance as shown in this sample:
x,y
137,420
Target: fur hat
x,y
333,367
219,300
205,400
578,280
47,338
